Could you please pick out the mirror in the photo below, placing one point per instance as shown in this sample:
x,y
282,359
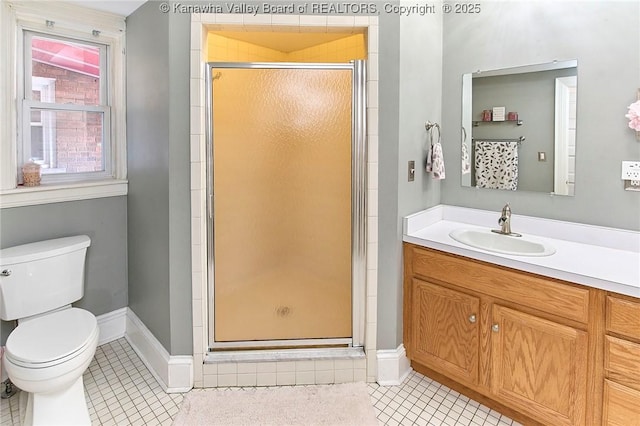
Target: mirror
x,y
519,128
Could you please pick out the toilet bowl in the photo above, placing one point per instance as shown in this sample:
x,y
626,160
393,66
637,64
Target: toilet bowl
x,y
46,358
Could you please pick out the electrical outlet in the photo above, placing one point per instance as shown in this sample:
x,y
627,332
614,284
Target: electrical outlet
x,y
631,170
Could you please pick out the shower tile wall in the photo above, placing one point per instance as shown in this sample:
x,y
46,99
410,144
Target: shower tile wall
x,y
299,372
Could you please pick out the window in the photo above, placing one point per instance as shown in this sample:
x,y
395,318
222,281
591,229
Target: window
x,y
62,102
66,116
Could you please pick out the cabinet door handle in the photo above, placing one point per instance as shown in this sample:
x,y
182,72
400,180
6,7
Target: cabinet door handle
x,y
495,328
472,318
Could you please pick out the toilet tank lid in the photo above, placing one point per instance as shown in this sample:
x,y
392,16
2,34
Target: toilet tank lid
x,y
43,249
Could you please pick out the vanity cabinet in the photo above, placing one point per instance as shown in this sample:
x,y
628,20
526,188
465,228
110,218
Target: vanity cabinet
x,y
621,398
518,339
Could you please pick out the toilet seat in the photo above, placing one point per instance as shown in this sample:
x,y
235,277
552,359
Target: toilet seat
x,y
51,339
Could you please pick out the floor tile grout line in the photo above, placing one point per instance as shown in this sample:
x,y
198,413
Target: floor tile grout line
x,y
118,375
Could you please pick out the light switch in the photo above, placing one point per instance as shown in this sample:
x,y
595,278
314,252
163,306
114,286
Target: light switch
x,y
411,171
542,156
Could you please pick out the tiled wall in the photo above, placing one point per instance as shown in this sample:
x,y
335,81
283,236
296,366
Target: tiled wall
x,y
286,372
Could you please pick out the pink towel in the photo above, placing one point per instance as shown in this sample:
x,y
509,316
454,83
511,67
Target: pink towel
x,y
437,159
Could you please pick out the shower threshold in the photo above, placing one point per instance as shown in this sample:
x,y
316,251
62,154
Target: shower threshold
x,y
274,355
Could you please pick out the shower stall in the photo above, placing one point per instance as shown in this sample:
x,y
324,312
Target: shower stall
x,y
286,191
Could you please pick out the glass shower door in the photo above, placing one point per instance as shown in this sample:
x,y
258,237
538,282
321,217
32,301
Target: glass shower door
x,y
282,201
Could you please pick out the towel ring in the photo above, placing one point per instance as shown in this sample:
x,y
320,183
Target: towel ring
x,y
429,126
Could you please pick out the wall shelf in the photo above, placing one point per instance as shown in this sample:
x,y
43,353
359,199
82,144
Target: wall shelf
x,y
479,122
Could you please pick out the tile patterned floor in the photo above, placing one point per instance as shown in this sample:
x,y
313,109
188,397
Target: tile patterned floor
x,y
121,391
422,401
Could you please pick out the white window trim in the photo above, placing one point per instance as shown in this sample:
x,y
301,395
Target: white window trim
x,y
68,21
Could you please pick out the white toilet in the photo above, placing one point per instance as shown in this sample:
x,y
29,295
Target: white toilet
x,y
54,343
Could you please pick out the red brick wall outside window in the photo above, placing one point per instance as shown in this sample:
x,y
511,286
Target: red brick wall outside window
x,y
78,134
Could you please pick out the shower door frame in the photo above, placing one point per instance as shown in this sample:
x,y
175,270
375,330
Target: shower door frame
x,y
358,205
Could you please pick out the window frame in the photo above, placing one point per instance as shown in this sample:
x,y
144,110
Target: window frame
x,y
73,23
29,105
24,150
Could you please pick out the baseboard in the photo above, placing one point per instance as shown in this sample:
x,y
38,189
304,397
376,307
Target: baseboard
x,y
173,373
393,366
112,325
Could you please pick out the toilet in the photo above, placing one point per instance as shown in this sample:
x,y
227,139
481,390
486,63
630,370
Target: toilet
x,y
54,343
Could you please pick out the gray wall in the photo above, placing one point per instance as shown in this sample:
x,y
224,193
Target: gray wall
x,y
157,108
158,167
104,220
605,39
413,91
389,255
415,81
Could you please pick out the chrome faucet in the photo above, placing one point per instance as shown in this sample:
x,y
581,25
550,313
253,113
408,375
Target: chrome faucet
x,y
505,223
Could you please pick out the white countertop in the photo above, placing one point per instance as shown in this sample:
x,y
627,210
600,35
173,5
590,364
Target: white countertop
x,y
604,258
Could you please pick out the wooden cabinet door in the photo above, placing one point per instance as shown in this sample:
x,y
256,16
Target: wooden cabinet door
x,y
445,330
539,367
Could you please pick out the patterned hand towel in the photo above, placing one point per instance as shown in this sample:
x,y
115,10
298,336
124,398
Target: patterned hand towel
x,y
496,164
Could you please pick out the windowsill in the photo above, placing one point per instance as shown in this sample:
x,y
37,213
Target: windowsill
x,y
58,193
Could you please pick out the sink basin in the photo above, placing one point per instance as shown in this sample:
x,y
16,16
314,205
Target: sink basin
x,y
506,244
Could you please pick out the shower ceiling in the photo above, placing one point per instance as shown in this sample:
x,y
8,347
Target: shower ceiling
x,y
284,41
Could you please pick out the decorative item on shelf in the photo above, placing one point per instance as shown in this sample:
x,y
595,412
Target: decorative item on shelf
x,y
634,116
31,174
486,115
498,113
512,116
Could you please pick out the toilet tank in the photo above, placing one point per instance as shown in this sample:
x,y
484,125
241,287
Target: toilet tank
x,y
42,276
